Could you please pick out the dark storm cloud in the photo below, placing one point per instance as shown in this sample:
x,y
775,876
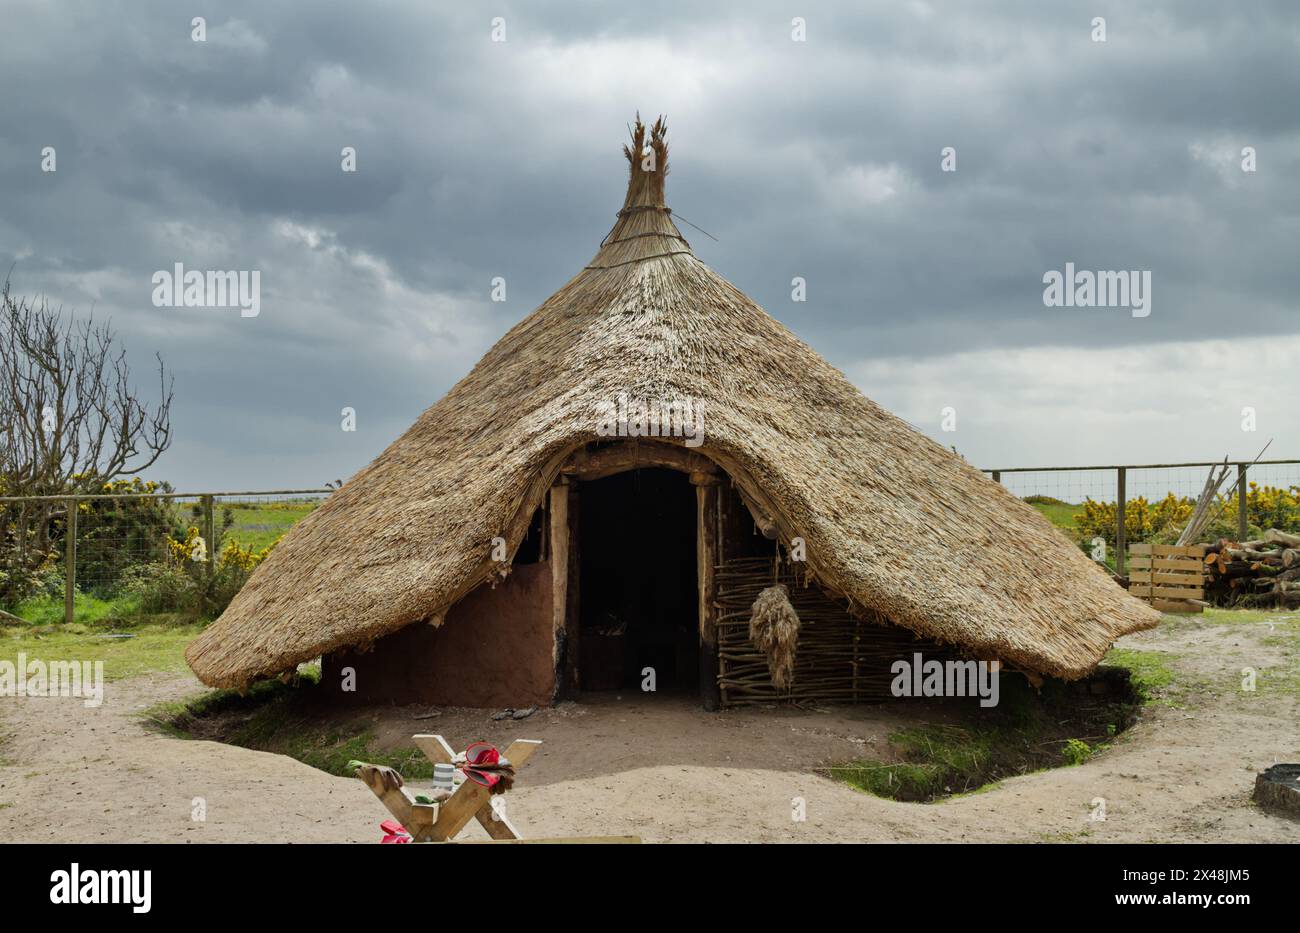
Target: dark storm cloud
x,y
478,159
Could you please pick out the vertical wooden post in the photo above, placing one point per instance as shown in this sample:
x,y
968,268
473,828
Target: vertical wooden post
x,y
1121,533
706,558
573,593
70,562
559,556
209,532
1242,525
997,476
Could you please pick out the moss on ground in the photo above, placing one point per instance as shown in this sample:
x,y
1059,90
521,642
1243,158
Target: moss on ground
x,y
1028,731
1150,673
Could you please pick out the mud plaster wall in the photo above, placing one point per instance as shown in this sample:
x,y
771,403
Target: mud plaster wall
x,y
495,649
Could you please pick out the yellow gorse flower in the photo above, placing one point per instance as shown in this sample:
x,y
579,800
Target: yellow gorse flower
x,y
182,551
1266,507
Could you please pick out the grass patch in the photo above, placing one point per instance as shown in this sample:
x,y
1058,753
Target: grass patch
x,y
1271,681
1061,514
1065,724
1284,678
148,647
1271,617
1065,836
182,718
88,611
287,719
1149,673
942,759
1275,629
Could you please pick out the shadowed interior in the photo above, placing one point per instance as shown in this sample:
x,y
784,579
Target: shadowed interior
x,y
640,605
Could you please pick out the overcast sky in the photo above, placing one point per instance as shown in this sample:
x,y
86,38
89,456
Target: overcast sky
x,y
817,158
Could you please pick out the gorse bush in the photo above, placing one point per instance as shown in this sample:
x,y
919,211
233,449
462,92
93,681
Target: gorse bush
x,y
1162,521
1141,517
115,535
139,552
20,581
190,581
158,588
1270,507
187,581
26,552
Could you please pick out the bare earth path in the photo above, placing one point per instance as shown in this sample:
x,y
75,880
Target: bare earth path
x,y
666,771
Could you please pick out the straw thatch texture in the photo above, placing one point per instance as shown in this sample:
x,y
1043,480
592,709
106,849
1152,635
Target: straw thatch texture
x,y
891,520
774,630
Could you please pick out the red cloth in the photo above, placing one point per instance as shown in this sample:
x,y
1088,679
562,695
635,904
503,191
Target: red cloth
x,y
483,765
394,833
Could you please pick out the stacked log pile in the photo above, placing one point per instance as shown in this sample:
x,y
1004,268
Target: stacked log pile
x,y
1255,574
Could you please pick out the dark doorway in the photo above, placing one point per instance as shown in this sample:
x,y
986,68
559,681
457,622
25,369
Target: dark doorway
x,y
638,579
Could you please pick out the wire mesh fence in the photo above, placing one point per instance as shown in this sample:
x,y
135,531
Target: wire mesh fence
x,y
156,550
59,554
1106,508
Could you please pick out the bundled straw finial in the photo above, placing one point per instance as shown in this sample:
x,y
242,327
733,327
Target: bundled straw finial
x,y
648,162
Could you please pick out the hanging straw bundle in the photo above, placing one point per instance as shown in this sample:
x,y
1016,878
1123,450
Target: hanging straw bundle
x,y
774,630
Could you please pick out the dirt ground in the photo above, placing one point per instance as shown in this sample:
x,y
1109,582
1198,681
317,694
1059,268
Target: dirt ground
x,y
663,770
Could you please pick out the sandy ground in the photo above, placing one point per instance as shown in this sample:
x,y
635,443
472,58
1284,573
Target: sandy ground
x,y
663,770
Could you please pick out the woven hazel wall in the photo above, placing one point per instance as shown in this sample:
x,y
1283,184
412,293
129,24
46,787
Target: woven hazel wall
x,y
840,659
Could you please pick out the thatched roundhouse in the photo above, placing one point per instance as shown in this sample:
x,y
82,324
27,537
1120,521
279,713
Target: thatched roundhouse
x,y
615,481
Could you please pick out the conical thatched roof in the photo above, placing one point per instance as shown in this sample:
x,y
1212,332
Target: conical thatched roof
x,y
891,519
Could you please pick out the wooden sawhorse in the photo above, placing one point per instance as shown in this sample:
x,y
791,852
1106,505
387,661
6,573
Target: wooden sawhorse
x,y
442,820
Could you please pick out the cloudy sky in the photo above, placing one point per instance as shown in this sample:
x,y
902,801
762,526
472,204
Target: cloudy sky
x,y
818,158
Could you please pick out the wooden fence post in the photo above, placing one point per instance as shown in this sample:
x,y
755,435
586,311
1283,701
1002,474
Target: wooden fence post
x,y
1242,531
70,561
209,532
1121,533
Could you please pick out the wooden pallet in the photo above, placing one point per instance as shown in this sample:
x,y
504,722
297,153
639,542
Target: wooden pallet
x,y
1170,577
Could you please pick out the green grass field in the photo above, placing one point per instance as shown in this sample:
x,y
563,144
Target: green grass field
x,y
88,610
1060,514
259,525
141,650
254,525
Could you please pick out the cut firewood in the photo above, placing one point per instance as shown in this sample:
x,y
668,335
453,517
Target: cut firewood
x,y
1273,536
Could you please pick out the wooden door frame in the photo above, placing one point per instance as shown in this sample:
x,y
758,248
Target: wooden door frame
x,y
598,462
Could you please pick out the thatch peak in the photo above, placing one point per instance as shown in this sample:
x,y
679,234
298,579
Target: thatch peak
x,y
644,229
648,164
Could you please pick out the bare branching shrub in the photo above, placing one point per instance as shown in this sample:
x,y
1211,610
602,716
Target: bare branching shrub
x,y
71,421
